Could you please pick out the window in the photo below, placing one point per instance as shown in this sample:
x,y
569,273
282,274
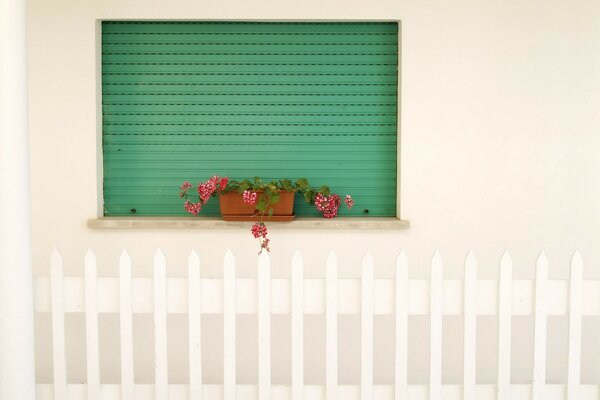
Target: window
x,y
187,100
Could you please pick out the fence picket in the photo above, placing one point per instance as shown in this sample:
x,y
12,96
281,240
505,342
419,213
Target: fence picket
x,y
504,326
161,377
539,342
229,317
574,361
91,327
297,328
436,297
264,327
366,359
331,351
470,328
401,294
195,326
58,326
126,321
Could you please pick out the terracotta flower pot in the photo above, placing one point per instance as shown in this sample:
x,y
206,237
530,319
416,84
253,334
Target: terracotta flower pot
x,y
233,207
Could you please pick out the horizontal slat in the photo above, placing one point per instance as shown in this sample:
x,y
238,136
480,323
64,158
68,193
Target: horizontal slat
x,y
237,107
261,67
194,153
283,97
313,392
176,46
249,38
277,137
170,183
314,295
308,165
160,199
269,57
312,175
240,76
144,118
373,192
243,27
213,210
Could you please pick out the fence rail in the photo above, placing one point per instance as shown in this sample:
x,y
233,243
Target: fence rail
x,y
298,296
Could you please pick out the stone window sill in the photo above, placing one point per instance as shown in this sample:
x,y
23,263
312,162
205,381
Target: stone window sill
x,y
218,223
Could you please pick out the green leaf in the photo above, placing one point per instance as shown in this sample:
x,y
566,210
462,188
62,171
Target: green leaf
x,y
302,183
325,190
286,184
261,205
274,197
308,196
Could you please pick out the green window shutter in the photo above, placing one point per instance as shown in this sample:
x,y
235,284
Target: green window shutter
x,y
187,100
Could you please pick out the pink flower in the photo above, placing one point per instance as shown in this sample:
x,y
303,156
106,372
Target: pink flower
x,y
183,189
349,201
192,208
328,205
185,185
264,245
206,189
259,230
223,183
249,197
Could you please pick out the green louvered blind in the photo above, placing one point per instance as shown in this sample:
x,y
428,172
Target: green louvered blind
x,y
187,100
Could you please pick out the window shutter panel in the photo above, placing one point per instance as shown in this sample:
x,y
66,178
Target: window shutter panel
x,y
188,100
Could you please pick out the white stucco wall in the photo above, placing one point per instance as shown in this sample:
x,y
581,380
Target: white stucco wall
x,y
500,136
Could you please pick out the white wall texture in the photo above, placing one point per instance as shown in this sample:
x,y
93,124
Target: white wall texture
x,y
500,139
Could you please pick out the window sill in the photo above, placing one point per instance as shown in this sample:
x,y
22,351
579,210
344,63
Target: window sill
x,y
218,223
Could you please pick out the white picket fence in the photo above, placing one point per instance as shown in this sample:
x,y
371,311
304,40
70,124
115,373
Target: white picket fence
x,y
331,296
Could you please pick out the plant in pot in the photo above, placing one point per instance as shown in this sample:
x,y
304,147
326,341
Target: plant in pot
x,y
256,200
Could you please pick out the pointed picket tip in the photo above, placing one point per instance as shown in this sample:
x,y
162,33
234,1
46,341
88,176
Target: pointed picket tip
x,y
470,264
331,258
402,265
402,259
229,259
263,259
437,258
55,258
506,260
193,259
436,266
90,257
542,260
576,267
55,263
470,258
124,259
90,263
576,259
367,260
159,256
296,259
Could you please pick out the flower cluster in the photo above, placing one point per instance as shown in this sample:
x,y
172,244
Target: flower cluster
x,y
208,188
192,208
249,197
329,205
349,201
205,191
183,189
259,231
